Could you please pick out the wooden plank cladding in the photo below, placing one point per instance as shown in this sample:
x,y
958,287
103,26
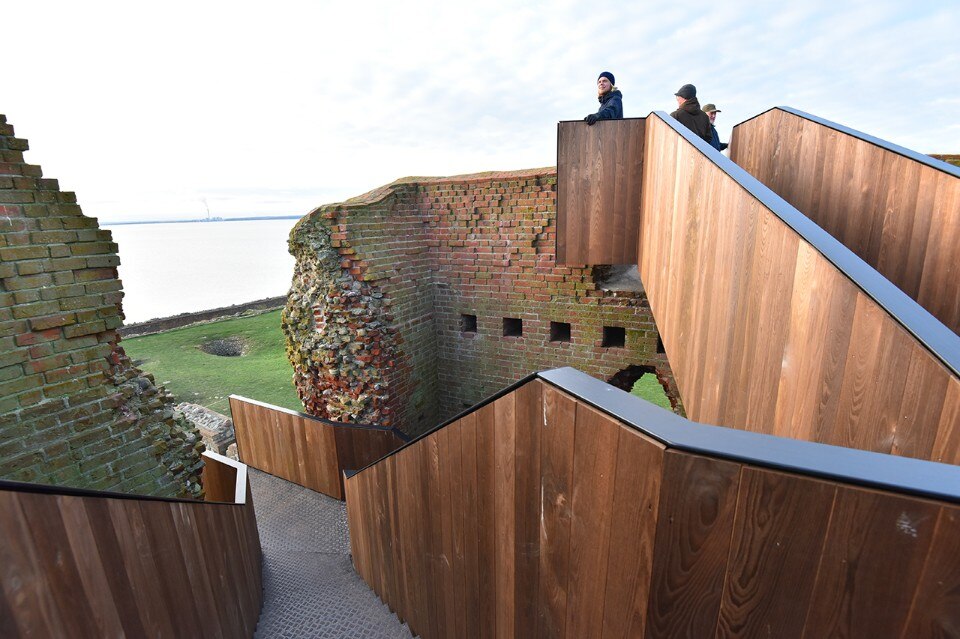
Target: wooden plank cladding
x,y
598,191
764,333
304,450
899,213
540,516
89,565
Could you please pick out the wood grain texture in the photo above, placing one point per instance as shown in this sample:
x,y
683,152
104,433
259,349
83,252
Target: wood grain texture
x,y
763,333
306,451
89,566
900,216
598,531
598,193
780,524
870,564
697,506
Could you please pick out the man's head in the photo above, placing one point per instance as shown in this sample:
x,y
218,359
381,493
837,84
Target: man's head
x,y
712,111
685,93
605,83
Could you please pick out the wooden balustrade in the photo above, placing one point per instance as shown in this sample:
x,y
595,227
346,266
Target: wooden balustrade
x,y
77,563
772,330
306,450
542,515
897,209
598,191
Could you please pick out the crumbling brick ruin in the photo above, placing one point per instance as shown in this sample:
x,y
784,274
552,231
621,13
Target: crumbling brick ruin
x,y
74,411
416,300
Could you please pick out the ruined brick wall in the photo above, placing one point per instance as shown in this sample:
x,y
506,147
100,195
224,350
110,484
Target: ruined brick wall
x,y
437,252
74,411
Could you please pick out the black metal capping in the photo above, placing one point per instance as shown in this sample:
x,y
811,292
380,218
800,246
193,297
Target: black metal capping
x,y
943,343
847,465
933,163
461,414
329,422
69,491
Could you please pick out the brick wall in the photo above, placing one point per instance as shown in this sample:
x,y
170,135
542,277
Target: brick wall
x,y
431,251
73,409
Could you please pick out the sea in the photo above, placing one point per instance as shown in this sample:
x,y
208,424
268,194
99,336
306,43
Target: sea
x,y
181,267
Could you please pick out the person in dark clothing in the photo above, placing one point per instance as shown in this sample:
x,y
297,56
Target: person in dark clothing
x,y
611,100
711,110
689,114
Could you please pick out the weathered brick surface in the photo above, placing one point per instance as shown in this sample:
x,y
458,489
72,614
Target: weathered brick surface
x,y
73,409
373,322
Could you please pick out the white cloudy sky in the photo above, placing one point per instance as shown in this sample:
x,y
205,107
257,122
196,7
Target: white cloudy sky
x,y
147,109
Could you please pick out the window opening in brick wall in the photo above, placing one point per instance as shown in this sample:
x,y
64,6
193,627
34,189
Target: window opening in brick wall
x,y
512,327
468,323
559,332
660,348
614,337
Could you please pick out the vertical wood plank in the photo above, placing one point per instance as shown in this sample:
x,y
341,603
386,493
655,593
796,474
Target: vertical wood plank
x,y
556,468
529,417
632,532
780,525
486,520
874,552
697,505
505,443
935,611
594,470
471,524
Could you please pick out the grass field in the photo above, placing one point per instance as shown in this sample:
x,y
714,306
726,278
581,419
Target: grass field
x,y
176,361
263,373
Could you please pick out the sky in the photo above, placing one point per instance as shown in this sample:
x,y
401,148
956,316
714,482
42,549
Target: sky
x,y
152,111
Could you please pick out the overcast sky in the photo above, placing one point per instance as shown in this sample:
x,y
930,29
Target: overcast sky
x,y
273,108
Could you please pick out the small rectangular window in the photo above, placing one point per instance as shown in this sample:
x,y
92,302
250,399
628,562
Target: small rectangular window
x,y
468,323
559,332
512,327
614,337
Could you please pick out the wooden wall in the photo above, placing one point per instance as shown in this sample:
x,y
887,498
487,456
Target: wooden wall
x,y
94,566
304,450
539,516
900,216
764,334
598,191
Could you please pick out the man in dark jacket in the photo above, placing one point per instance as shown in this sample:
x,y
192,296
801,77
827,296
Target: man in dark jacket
x,y
611,100
711,110
689,113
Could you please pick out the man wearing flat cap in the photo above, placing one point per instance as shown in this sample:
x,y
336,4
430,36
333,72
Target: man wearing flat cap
x,y
711,110
611,100
689,114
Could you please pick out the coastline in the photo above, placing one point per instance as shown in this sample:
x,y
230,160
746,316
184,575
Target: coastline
x,y
161,324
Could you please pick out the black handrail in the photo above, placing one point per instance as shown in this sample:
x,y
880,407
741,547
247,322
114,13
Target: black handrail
x,y
848,465
70,491
943,343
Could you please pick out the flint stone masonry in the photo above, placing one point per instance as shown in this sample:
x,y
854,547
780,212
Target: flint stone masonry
x,y
74,411
374,320
215,429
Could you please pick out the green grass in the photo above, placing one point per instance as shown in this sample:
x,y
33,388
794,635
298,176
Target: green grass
x,y
176,361
648,388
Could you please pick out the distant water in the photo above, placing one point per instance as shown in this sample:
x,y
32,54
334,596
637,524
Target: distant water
x,y
185,267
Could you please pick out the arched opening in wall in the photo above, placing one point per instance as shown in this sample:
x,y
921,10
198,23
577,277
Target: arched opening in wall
x,y
643,382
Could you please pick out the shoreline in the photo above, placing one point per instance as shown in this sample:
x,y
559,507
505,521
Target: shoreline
x,y
162,324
